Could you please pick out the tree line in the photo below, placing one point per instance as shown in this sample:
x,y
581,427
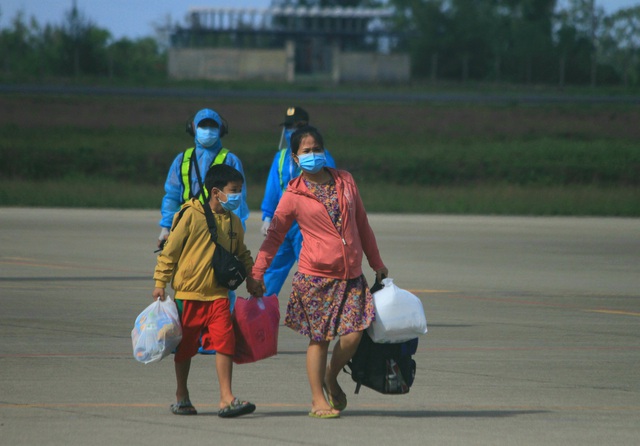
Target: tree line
x,y
570,42
76,48
521,41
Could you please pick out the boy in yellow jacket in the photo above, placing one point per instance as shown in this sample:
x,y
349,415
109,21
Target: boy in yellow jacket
x,y
185,261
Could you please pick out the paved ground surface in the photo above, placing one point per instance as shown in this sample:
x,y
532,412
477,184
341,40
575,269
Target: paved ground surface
x,y
534,338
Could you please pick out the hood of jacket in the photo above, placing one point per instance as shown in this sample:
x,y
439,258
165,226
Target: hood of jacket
x,y
297,185
195,204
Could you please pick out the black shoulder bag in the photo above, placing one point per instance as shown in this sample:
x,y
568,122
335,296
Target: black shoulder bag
x,y
229,271
385,368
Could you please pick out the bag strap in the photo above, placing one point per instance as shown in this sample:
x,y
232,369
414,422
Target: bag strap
x,y
208,213
350,373
173,225
377,286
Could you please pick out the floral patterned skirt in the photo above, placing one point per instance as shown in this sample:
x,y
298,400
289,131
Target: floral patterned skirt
x,y
323,308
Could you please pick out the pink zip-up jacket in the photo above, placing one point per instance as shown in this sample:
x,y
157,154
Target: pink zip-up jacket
x,y
325,251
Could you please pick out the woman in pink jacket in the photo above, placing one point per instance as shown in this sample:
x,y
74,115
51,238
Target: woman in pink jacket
x,y
330,297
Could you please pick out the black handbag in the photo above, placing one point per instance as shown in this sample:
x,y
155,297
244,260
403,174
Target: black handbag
x,y
228,270
386,368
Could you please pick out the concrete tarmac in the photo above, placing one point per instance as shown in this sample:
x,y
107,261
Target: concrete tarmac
x,y
534,338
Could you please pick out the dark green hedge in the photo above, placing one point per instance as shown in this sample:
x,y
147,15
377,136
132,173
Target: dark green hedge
x,y
539,163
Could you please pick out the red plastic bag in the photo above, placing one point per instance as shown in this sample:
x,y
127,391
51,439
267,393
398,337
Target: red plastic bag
x,y
255,323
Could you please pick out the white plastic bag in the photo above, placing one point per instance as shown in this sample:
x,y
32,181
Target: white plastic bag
x,y
399,315
156,332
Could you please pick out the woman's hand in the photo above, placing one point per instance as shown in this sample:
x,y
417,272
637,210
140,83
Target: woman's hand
x,y
382,273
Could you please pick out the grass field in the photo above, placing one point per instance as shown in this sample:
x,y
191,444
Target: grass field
x,y
58,150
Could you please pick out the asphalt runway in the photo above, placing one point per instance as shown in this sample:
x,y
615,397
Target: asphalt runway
x,y
534,338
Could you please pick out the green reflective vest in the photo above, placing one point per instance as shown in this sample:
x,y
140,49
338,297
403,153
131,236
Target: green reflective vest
x,y
185,170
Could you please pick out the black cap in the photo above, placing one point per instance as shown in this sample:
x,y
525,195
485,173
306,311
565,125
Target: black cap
x,y
295,114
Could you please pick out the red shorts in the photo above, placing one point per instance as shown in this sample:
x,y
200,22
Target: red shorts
x,y
207,324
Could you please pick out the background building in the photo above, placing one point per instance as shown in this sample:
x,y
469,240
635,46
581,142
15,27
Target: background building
x,y
287,44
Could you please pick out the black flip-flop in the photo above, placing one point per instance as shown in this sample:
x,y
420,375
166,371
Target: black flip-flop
x,y
237,408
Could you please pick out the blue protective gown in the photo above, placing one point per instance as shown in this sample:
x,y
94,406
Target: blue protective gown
x,y
173,197
289,251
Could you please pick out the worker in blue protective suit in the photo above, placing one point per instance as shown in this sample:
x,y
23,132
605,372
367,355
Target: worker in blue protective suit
x,y
207,128
284,169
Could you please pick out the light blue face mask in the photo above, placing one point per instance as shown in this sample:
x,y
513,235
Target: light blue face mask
x,y
233,202
207,136
312,162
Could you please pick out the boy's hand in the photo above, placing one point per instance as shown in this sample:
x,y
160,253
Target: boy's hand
x,y
254,287
158,293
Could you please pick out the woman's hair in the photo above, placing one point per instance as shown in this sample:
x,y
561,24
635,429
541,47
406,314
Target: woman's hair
x,y
307,130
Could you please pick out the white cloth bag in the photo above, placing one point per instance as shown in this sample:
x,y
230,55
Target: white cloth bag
x,y
399,315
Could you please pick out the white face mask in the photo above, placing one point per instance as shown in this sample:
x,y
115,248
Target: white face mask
x,y
207,136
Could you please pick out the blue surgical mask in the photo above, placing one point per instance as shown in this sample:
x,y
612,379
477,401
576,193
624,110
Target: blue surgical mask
x,y
207,136
312,162
233,202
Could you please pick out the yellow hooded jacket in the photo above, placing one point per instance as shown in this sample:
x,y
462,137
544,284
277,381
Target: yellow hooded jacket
x,y
185,260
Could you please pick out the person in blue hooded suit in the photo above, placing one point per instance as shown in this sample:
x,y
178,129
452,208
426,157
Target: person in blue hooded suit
x,y
284,169
207,128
